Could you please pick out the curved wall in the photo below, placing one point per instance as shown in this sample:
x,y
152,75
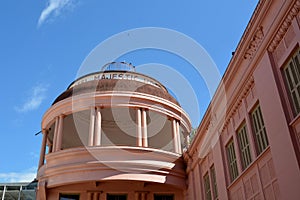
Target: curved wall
x,y
96,135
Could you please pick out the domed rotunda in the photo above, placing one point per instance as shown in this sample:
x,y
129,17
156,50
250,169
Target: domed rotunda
x,y
113,135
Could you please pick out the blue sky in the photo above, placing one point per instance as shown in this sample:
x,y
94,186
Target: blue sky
x,y
43,44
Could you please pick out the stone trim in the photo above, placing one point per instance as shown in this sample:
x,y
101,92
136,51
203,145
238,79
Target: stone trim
x,y
284,26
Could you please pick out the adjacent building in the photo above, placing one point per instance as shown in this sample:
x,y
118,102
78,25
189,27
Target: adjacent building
x,y
18,191
117,134
247,147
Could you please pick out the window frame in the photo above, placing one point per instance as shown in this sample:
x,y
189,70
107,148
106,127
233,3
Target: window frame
x,y
69,195
244,146
207,187
213,180
116,195
231,160
293,66
163,196
259,130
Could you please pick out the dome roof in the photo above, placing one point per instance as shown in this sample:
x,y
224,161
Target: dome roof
x,y
116,76
114,85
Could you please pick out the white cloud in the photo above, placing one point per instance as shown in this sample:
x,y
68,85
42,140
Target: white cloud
x,y
38,94
25,176
53,9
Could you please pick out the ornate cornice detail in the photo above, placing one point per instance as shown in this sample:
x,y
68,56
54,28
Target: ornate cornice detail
x,y
284,26
239,100
254,43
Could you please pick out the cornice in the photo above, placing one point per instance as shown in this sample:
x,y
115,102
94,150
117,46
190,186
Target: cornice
x,y
245,48
255,36
249,84
292,13
210,123
254,43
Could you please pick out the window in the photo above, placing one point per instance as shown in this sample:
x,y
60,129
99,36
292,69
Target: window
x,y
116,197
261,139
232,165
292,77
244,146
207,187
163,197
214,182
69,197
210,184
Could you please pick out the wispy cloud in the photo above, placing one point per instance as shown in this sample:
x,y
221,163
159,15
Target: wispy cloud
x,y
36,97
53,9
25,176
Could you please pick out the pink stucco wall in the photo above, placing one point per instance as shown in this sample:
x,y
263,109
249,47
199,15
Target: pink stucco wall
x,y
254,77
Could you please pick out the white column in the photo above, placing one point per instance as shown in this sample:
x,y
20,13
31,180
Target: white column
x,y
175,135
144,128
43,148
97,141
59,133
178,137
3,194
92,127
139,128
20,191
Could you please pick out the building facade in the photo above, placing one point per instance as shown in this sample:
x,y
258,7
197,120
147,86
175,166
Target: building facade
x,y
248,148
113,135
135,141
18,191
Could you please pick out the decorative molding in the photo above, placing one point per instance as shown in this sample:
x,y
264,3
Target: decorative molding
x,y
237,103
213,120
284,26
254,43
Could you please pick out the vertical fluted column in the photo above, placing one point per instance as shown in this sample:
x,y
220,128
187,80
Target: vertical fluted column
x,y
59,133
144,128
92,127
55,134
175,135
43,148
97,141
139,127
178,137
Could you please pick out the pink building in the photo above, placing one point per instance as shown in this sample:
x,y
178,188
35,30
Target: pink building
x,y
116,135
113,135
247,145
